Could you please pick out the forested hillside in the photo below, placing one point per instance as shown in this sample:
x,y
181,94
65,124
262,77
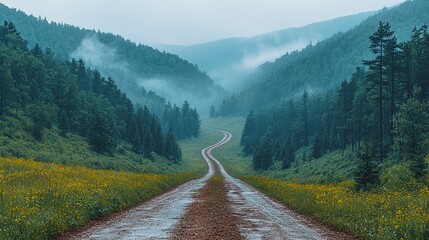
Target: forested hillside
x,y
132,65
39,93
323,66
230,62
380,112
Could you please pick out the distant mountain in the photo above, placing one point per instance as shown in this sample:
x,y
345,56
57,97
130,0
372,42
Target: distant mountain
x,y
324,65
131,65
230,61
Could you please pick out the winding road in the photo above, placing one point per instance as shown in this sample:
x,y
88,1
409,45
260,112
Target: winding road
x,y
258,217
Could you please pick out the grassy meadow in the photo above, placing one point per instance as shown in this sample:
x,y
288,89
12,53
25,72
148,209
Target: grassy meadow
x,y
39,200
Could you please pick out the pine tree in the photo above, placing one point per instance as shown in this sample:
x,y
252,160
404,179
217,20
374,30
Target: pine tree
x,y
37,51
135,138
316,152
97,82
367,173
263,156
392,68
379,40
158,138
344,106
212,113
6,87
171,148
101,137
147,143
81,75
287,154
43,116
248,135
305,116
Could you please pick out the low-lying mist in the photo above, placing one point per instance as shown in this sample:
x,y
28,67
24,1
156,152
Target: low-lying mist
x,y
236,76
99,55
202,100
107,60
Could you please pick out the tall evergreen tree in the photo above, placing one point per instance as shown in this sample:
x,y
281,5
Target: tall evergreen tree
x,y
305,116
6,86
171,149
101,138
317,148
392,68
345,108
287,154
248,135
212,112
379,40
263,156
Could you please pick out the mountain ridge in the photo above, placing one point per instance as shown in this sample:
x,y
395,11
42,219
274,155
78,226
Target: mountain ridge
x,y
234,59
320,67
138,62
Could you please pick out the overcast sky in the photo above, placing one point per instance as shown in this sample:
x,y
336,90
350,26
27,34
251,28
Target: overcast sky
x,y
188,22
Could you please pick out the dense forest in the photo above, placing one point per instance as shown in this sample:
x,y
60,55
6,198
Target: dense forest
x,y
326,63
38,92
130,64
381,112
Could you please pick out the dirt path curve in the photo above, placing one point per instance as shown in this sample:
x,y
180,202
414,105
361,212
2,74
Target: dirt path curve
x,y
255,216
154,219
259,216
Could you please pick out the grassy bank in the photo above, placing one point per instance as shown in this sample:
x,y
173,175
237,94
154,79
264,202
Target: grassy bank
x,y
71,149
383,215
39,200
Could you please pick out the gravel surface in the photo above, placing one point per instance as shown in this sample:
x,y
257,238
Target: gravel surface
x,y
210,217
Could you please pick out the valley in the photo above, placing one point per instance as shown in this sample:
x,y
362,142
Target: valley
x,y
239,122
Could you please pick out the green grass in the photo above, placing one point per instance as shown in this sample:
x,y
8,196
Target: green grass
x,y
230,154
332,167
74,150
191,151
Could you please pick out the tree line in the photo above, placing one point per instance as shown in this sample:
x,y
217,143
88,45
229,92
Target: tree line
x,y
142,61
381,111
40,91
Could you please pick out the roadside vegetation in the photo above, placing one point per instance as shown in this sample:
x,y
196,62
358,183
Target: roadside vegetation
x,y
40,200
325,189
400,214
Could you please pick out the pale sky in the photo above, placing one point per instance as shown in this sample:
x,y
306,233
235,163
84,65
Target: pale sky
x,y
188,22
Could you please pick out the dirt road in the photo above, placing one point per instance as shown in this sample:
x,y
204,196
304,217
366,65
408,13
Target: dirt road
x,y
215,209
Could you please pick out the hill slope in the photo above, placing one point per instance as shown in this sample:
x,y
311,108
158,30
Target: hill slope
x,y
132,65
230,61
323,66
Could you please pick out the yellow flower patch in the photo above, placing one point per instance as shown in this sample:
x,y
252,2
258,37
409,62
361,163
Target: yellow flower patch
x,y
39,200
